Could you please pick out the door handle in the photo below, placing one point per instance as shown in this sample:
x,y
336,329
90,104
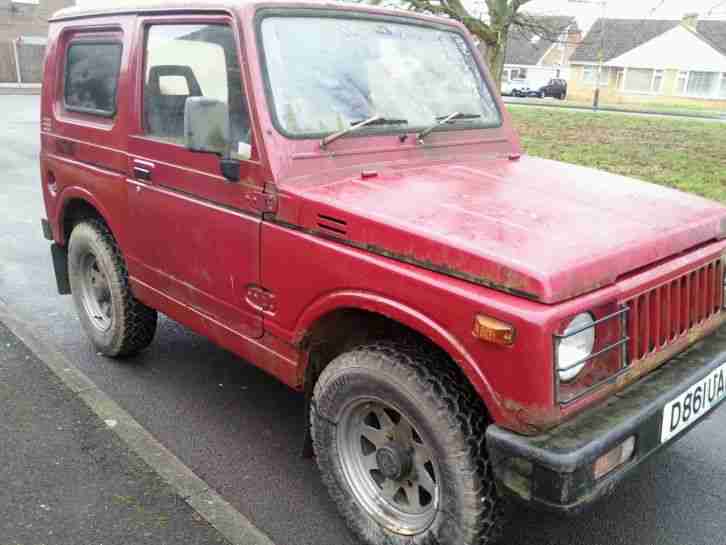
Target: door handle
x,y
142,173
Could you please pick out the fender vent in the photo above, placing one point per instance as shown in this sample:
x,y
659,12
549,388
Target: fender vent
x,y
332,226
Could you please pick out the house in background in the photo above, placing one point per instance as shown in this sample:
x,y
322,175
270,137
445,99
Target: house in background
x,y
652,61
541,50
23,33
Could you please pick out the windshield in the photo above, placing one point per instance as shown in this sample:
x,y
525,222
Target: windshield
x,y
328,73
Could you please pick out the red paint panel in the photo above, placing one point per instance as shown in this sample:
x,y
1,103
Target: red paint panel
x,y
646,334
718,302
329,275
486,220
634,329
656,319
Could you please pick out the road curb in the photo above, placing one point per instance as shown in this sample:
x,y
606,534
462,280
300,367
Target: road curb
x,y
219,513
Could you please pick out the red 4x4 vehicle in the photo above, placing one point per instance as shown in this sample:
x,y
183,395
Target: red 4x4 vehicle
x,y
336,194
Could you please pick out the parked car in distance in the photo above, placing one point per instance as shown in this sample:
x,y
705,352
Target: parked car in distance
x,y
506,88
556,88
336,194
515,88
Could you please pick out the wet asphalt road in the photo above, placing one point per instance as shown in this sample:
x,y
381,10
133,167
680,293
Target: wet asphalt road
x,y
239,429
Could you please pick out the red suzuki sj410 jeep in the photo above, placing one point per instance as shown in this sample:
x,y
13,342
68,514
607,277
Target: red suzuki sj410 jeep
x,y
337,195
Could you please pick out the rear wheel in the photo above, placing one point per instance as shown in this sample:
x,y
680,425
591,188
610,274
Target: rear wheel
x,y
117,323
399,442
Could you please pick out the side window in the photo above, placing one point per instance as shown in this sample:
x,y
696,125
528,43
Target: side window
x,y
185,61
91,77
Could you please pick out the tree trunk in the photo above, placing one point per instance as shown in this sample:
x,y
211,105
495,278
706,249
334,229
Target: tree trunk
x,y
493,47
494,56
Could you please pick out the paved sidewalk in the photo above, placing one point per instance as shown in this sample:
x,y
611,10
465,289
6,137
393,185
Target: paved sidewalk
x,y
67,479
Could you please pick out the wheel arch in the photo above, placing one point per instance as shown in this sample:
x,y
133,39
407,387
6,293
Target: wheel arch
x,y
358,312
76,203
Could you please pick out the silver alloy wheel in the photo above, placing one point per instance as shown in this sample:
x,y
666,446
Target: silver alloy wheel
x,y
389,467
95,293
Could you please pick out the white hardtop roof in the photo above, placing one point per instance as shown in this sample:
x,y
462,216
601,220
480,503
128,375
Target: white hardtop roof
x,y
155,6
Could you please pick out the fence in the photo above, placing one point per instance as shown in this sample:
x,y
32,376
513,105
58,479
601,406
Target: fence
x,y
21,61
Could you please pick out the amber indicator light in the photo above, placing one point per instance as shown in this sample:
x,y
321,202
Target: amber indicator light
x,y
492,330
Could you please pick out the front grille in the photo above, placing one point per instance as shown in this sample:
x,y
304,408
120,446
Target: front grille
x,y
660,316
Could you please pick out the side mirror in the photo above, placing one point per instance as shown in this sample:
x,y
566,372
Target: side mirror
x,y
207,129
206,125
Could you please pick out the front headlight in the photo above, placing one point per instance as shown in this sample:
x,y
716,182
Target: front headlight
x,y
573,348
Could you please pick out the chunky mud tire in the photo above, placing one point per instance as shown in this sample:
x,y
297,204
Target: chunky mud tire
x,y
428,394
117,323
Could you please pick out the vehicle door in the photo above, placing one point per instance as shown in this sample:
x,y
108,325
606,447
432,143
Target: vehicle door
x,y
194,234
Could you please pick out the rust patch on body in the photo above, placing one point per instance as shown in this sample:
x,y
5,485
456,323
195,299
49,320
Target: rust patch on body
x,y
512,283
532,420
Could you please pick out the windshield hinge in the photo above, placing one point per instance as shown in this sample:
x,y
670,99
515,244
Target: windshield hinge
x,y
264,201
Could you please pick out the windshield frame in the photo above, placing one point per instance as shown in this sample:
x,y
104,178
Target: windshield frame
x,y
332,13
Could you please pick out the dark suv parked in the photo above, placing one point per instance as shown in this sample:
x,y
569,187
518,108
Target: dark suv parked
x,y
555,88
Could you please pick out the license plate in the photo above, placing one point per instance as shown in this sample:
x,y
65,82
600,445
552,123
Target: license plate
x,y
692,404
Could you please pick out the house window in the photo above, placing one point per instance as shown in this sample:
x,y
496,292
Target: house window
x,y
519,73
619,75
643,80
589,76
702,84
681,83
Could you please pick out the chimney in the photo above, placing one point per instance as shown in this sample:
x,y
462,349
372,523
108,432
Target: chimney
x,y
690,21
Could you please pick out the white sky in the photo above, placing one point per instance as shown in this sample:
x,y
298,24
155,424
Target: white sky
x,y
586,13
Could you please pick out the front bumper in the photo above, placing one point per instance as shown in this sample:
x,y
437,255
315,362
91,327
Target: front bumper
x,y
555,471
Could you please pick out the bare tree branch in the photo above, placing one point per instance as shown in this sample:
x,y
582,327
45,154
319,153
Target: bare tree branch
x,y
504,16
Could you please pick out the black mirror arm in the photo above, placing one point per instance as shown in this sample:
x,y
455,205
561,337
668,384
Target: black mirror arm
x,y
230,168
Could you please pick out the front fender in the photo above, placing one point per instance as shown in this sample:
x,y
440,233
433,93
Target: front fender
x,y
413,319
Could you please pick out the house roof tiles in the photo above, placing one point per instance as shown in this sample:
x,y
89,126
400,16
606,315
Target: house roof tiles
x,y
528,44
623,35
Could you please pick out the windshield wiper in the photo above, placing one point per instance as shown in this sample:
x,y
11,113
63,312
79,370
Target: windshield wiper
x,y
443,120
355,125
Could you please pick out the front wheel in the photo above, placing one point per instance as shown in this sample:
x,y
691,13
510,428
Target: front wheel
x,y
117,323
400,445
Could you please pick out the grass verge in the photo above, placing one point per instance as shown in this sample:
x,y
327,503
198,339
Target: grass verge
x,y
699,110
687,155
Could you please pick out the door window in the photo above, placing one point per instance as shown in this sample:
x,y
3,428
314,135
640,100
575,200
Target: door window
x,y
190,60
